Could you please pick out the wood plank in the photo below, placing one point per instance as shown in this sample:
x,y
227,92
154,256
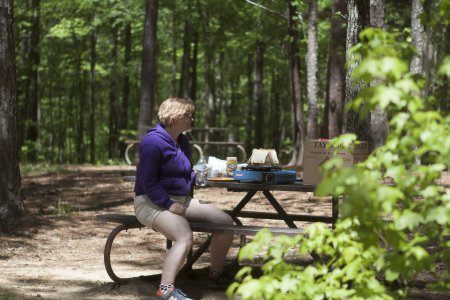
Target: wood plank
x,y
240,230
276,216
127,220
131,222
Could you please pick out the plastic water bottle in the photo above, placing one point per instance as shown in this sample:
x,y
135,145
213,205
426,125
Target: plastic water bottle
x,y
200,168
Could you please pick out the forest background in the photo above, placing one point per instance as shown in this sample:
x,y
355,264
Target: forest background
x,y
80,77
91,74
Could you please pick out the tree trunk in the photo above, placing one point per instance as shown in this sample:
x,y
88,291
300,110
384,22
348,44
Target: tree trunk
x,y
11,202
250,110
378,118
32,99
186,60
444,104
148,68
80,146
193,69
209,73
311,70
297,114
113,105
258,95
418,37
358,19
275,111
93,62
174,34
188,78
336,69
126,85
211,110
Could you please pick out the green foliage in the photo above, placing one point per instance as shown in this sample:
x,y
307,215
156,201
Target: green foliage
x,y
6,296
395,217
63,208
445,67
341,275
42,168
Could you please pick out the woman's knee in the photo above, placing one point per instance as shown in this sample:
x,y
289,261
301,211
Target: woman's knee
x,y
225,219
184,237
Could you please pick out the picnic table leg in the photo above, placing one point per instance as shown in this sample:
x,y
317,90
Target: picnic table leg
x,y
107,255
243,203
286,218
279,209
334,210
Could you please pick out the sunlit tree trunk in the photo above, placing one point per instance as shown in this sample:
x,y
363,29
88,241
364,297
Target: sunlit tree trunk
x,y
378,118
11,202
311,70
418,37
148,68
358,19
297,114
334,114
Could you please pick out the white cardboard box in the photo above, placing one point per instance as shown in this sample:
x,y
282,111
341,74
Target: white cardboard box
x,y
316,153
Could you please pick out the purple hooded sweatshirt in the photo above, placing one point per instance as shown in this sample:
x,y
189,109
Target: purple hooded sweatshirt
x,y
164,168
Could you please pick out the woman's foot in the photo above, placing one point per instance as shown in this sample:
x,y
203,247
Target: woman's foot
x,y
175,294
219,278
168,291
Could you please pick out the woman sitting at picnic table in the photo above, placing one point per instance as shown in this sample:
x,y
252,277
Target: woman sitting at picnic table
x,y
164,177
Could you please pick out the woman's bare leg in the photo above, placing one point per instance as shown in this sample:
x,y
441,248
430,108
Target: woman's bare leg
x,y
175,228
221,242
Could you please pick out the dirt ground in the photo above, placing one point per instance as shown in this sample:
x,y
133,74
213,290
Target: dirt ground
x,y
56,251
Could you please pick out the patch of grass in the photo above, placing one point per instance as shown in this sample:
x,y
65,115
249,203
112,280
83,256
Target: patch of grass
x,y
43,168
63,208
6,296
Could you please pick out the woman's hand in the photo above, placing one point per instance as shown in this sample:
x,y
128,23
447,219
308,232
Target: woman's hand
x,y
177,209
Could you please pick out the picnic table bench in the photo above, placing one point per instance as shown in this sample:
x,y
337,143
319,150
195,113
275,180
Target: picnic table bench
x,y
127,222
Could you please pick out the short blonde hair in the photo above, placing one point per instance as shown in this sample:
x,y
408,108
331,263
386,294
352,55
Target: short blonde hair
x,y
174,108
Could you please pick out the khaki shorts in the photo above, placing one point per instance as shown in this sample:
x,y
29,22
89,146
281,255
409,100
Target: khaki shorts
x,y
146,211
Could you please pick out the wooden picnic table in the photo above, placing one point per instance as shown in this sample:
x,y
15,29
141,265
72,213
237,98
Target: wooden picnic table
x,y
251,188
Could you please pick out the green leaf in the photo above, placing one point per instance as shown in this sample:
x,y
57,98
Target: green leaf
x,y
350,253
388,196
249,289
419,253
429,192
391,275
409,219
393,66
440,215
444,69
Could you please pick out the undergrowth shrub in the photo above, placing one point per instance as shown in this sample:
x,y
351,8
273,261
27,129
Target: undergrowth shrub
x,y
395,217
